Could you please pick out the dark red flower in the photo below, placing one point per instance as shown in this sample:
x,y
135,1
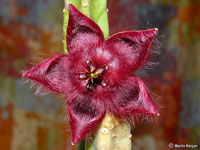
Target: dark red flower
x,y
97,76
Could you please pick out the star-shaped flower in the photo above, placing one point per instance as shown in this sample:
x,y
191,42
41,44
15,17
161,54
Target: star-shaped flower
x,y
97,76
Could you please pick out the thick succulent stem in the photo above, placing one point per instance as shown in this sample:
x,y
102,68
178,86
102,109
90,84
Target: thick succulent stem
x,y
112,134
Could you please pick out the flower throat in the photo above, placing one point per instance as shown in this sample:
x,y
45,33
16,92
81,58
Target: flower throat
x,y
93,75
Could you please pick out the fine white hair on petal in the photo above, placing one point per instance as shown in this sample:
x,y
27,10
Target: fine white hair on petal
x,y
83,83
106,54
26,81
99,51
114,63
103,53
143,38
32,84
38,90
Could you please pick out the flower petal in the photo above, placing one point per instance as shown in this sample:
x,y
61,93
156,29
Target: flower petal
x,y
84,115
134,98
83,34
132,47
52,73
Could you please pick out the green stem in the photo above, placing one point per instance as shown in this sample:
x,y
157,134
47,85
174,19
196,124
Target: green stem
x,y
85,7
65,23
81,145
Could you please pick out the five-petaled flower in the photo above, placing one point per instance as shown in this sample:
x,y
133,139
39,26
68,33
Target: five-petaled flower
x,y
97,76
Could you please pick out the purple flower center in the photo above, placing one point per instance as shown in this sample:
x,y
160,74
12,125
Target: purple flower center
x,y
93,75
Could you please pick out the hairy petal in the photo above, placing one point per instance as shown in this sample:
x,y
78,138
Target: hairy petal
x,y
132,47
83,34
52,73
134,98
84,115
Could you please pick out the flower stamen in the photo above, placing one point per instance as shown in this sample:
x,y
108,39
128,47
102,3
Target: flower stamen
x,y
83,76
103,83
93,75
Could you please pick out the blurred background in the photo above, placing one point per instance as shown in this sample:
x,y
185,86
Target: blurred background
x,y
31,30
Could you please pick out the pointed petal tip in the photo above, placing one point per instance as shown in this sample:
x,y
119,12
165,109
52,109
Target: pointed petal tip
x,y
151,32
154,31
71,7
75,140
151,108
25,74
154,111
29,76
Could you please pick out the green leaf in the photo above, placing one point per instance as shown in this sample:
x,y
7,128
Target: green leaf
x,y
94,9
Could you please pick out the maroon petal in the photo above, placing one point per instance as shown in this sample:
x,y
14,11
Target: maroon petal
x,y
134,98
84,115
83,34
52,73
132,47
